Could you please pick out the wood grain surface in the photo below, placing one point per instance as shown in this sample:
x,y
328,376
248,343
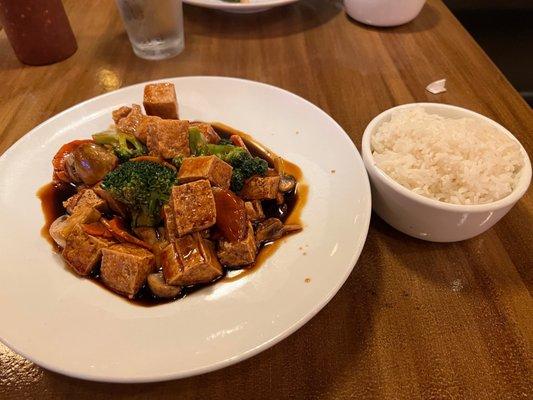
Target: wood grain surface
x,y
415,320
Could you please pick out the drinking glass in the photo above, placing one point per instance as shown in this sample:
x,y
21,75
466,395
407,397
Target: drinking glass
x,y
155,28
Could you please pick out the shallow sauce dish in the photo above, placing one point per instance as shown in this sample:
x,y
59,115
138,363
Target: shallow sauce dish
x,y
71,326
429,219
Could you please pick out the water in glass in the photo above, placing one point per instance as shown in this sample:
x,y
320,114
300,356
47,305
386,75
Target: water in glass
x,y
155,28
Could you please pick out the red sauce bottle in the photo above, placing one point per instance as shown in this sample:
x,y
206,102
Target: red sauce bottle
x,y
38,30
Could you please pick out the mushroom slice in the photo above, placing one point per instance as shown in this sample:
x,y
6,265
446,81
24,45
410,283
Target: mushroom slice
x,y
56,230
269,229
290,228
92,162
280,199
273,229
286,183
158,286
71,170
147,234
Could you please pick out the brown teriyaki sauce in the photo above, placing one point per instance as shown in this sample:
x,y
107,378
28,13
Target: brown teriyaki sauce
x,y
53,194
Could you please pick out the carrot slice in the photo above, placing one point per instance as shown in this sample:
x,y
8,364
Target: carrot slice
x,y
58,162
117,230
237,141
231,220
96,229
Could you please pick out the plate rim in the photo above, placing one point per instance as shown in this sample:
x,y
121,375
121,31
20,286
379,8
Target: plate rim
x,y
293,327
264,5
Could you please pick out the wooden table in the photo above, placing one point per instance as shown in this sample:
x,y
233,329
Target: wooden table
x,y
415,319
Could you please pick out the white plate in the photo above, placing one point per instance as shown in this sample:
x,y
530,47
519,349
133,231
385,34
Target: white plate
x,y
72,326
244,8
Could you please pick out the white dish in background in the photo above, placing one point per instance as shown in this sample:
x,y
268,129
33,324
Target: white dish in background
x,y
430,219
252,6
73,326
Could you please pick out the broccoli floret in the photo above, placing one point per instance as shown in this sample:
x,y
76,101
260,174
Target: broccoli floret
x,y
237,180
177,161
233,155
124,145
254,166
197,142
247,168
244,165
144,186
225,141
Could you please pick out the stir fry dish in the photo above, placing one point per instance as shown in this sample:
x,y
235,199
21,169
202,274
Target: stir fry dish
x,y
156,206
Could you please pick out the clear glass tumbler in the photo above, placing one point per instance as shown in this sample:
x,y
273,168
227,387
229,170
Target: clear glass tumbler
x,y
155,28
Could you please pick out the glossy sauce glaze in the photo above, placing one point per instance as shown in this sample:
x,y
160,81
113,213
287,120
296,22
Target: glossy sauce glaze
x,y
289,212
53,194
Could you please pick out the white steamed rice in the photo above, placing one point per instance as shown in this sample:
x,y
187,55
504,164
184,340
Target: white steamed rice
x,y
459,161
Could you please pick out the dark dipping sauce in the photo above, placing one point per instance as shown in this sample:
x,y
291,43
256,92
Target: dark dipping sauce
x,y
52,196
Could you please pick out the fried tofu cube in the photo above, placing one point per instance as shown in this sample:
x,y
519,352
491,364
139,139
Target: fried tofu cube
x,y
171,265
125,267
112,203
169,220
189,261
85,198
239,253
130,122
62,227
207,131
254,210
194,206
211,168
147,124
134,122
261,187
120,113
81,215
169,138
82,251
160,100
71,202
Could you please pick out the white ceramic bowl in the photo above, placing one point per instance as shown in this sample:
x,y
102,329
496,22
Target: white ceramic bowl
x,y
383,12
429,219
